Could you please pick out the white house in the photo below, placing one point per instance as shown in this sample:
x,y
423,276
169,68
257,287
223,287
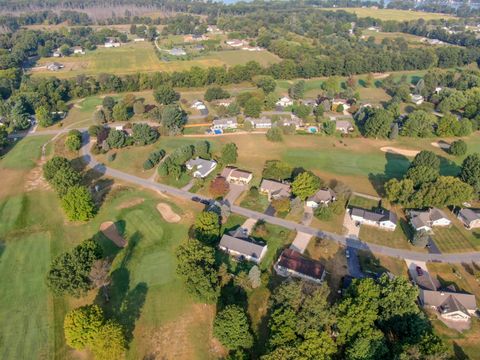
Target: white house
x,y
450,305
284,102
177,52
225,123
112,44
470,218
199,105
262,123
78,50
426,220
385,219
236,43
416,99
139,39
321,197
202,168
57,53
236,176
243,249
292,263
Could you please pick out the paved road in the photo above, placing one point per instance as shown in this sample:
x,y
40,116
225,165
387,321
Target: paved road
x,y
343,240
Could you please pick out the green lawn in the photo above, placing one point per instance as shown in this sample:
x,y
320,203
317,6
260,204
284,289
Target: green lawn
x,y
396,239
456,239
363,202
276,238
254,202
24,154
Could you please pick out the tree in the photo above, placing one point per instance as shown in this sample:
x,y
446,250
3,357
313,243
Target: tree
x,y
110,342
69,272
422,174
207,227
196,266
253,107
419,124
332,85
82,325
144,134
318,111
219,187
73,141
281,205
379,124
120,112
117,139
266,83
445,191
19,116
470,172
3,137
274,134
108,102
318,346
232,329
305,185
297,90
43,116
99,117
426,158
173,119
399,191
458,148
55,164
215,93
277,170
447,125
165,95
329,127
394,132
78,204
202,149
302,111
229,154
420,238
138,108
64,179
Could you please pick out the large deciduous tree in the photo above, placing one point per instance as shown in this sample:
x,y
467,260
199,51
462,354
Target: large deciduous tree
x,y
229,154
78,204
144,134
305,185
165,95
231,327
207,227
470,172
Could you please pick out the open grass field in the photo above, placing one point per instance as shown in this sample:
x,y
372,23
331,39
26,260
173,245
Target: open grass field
x,y
363,202
394,14
141,57
397,239
456,238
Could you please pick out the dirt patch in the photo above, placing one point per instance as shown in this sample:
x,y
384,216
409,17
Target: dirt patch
x,y
404,152
167,213
441,145
130,203
109,229
34,180
174,339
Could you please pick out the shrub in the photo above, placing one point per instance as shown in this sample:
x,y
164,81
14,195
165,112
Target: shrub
x,y
458,148
274,134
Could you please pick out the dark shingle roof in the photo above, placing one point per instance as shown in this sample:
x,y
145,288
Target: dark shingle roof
x,y
294,261
242,246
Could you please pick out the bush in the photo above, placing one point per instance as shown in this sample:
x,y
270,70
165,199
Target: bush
x,y
78,204
458,148
274,134
111,157
73,142
232,329
147,164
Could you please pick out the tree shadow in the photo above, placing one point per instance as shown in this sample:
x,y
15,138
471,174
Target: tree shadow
x,y
396,166
448,167
126,303
459,353
2,247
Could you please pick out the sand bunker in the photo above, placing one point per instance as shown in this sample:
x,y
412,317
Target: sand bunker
x,y
130,203
404,152
109,229
441,144
167,213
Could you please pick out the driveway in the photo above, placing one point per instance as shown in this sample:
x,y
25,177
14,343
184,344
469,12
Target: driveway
x,y
349,224
233,194
307,216
425,280
353,263
301,242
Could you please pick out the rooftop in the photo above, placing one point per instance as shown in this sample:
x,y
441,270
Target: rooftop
x,y
243,246
293,260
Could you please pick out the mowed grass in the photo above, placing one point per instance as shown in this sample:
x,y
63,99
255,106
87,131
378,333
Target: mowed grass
x,y
456,239
140,57
24,153
396,239
394,14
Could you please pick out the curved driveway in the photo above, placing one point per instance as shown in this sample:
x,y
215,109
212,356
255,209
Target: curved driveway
x,y
347,241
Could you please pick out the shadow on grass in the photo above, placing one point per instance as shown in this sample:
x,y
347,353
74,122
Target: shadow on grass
x,y
396,166
459,353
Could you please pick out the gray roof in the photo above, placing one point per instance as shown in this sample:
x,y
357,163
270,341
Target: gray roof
x,y
242,246
322,195
375,216
343,124
425,218
451,300
275,187
262,120
201,165
225,121
469,215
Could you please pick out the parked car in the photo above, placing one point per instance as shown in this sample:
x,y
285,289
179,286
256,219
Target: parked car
x,y
347,254
419,271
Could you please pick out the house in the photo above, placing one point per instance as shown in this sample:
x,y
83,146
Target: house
x,y
337,102
78,50
292,120
321,197
111,43
236,176
470,218
416,99
292,263
202,168
383,219
262,123
275,190
225,123
284,102
243,248
426,220
194,37
177,52
54,66
344,126
450,305
57,53
213,29
199,105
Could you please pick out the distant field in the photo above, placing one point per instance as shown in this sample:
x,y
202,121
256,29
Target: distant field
x,y
394,14
141,57
379,36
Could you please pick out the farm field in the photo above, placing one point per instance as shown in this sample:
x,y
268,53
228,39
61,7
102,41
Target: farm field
x,y
33,232
141,57
394,14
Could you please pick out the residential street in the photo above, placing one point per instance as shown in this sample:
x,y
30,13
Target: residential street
x,y
343,240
